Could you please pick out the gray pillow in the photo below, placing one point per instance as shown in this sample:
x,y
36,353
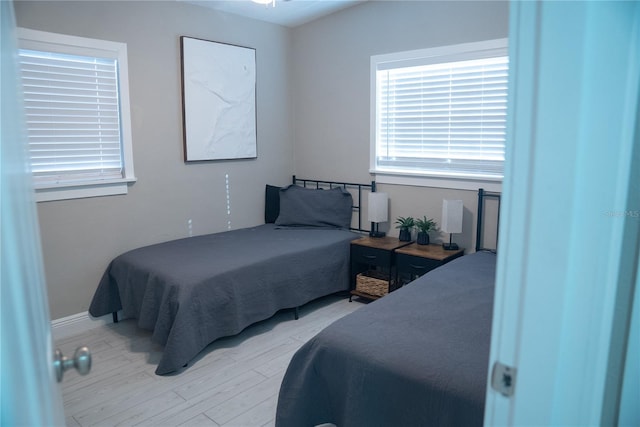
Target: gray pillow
x,y
271,204
306,207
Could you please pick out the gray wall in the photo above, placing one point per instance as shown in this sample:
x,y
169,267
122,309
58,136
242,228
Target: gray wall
x,y
80,237
313,119
331,58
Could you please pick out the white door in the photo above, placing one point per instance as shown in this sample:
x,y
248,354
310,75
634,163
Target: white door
x,y
30,394
569,249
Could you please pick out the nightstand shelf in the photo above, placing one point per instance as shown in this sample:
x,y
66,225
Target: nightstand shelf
x,y
374,257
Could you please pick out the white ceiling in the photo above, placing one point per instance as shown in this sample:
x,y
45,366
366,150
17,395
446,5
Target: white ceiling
x,y
289,13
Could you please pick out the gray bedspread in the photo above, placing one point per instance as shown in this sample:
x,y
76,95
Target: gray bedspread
x,y
417,357
192,291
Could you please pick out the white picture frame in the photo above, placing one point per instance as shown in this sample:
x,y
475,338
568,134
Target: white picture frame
x,y
218,100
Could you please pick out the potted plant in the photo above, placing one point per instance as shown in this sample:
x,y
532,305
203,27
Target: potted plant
x,y
424,226
405,225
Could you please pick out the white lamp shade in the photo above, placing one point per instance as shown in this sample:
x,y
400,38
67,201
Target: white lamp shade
x,y
378,207
452,216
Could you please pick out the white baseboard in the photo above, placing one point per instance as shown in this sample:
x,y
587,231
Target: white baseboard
x,y
77,323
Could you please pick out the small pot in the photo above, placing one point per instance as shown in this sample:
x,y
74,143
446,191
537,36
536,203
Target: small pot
x,y
405,235
423,238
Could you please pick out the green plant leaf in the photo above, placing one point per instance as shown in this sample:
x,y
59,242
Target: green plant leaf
x,y
405,222
425,225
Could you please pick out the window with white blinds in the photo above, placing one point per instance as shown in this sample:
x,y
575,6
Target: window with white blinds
x,y
441,112
76,127
72,115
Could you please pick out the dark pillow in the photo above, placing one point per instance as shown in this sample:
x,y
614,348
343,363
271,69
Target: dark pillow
x,y
271,204
306,207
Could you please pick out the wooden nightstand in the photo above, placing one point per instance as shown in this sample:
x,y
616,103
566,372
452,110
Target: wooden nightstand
x,y
414,260
373,258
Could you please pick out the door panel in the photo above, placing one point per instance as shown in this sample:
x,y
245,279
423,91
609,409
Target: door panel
x,y
569,250
30,395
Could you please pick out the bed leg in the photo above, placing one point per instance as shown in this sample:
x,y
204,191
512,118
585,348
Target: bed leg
x,y
296,313
115,316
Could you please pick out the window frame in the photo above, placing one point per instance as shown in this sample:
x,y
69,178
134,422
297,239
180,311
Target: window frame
x,y
451,53
65,44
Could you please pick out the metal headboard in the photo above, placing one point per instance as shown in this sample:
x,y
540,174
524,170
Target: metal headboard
x,y
482,195
357,202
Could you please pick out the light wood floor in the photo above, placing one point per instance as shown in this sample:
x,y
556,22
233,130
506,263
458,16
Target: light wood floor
x,y
233,382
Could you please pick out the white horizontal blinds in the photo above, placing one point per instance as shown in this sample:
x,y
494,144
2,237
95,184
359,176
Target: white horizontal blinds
x,y
73,118
443,119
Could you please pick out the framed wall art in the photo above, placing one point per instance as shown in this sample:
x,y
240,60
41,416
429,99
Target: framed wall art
x,y
218,100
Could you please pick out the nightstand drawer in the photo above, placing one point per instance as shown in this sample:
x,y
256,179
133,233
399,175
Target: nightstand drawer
x,y
370,256
415,260
416,265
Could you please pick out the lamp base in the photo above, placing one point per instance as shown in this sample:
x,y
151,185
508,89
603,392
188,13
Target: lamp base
x,y
377,234
450,246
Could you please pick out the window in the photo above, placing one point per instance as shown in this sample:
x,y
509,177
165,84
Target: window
x,y
440,114
76,106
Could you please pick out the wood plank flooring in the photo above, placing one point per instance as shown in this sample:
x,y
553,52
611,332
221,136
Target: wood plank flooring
x,y
233,382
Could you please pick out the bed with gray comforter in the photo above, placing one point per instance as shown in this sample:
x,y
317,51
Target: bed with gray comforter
x,y
417,357
192,291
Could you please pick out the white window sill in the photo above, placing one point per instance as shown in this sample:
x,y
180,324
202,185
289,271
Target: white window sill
x,y
437,182
81,191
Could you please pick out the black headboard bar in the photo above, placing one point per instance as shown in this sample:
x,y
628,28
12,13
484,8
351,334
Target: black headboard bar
x,y
482,194
356,204
373,190
479,218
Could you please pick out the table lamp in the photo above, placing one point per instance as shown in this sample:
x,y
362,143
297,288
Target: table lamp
x,y
378,212
451,221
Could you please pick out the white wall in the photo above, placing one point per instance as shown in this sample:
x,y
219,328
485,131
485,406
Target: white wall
x,y
330,69
80,237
